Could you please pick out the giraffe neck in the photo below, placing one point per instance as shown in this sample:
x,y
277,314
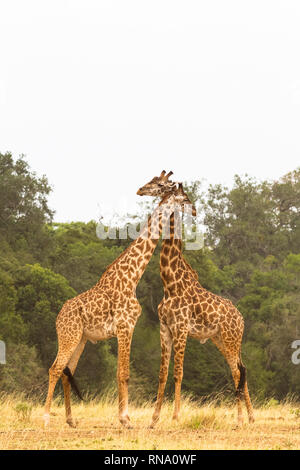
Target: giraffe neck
x,y
129,267
175,271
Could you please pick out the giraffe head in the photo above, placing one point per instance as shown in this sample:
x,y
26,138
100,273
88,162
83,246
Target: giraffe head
x,y
179,199
158,186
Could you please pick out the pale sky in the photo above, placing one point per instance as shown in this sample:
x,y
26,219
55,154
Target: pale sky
x,y
102,95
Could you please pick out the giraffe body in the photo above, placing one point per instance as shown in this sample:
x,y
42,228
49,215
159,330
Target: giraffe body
x,y
110,308
187,309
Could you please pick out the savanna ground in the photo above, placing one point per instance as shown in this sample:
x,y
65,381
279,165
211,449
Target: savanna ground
x,y
201,426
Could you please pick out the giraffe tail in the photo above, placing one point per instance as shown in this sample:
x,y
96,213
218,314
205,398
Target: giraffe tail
x,y
72,381
242,381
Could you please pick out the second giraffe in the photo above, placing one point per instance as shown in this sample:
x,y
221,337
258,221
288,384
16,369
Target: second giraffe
x,y
188,309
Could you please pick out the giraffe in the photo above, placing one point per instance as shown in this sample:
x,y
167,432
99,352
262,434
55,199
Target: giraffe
x,y
109,309
187,309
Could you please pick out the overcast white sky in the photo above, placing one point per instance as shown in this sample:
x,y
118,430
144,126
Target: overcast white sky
x,y
103,95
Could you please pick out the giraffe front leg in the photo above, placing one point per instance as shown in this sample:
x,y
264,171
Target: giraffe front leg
x,y
166,346
124,343
179,348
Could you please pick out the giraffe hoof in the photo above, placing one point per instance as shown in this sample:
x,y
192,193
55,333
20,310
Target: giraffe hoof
x,y
239,425
71,423
125,421
127,425
154,422
251,419
46,420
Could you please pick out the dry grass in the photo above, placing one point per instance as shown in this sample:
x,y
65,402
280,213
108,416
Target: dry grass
x,y
201,426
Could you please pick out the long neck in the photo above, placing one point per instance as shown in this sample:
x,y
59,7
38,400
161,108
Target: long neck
x,y
174,269
131,264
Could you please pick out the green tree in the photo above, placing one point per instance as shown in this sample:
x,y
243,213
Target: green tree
x,y
12,326
272,317
23,204
41,294
23,373
79,255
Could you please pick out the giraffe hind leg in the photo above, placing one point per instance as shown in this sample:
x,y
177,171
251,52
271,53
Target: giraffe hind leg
x,y
238,371
248,404
56,370
238,374
242,391
68,381
72,382
242,380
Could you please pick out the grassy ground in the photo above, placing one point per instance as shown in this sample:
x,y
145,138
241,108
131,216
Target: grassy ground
x,y
206,426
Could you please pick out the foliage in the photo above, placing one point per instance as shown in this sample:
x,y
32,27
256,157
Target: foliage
x,y
23,205
23,373
23,411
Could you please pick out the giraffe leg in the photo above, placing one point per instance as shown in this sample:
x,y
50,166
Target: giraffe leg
x,y
248,403
124,343
72,364
166,346
236,374
236,367
179,348
241,386
53,378
65,352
